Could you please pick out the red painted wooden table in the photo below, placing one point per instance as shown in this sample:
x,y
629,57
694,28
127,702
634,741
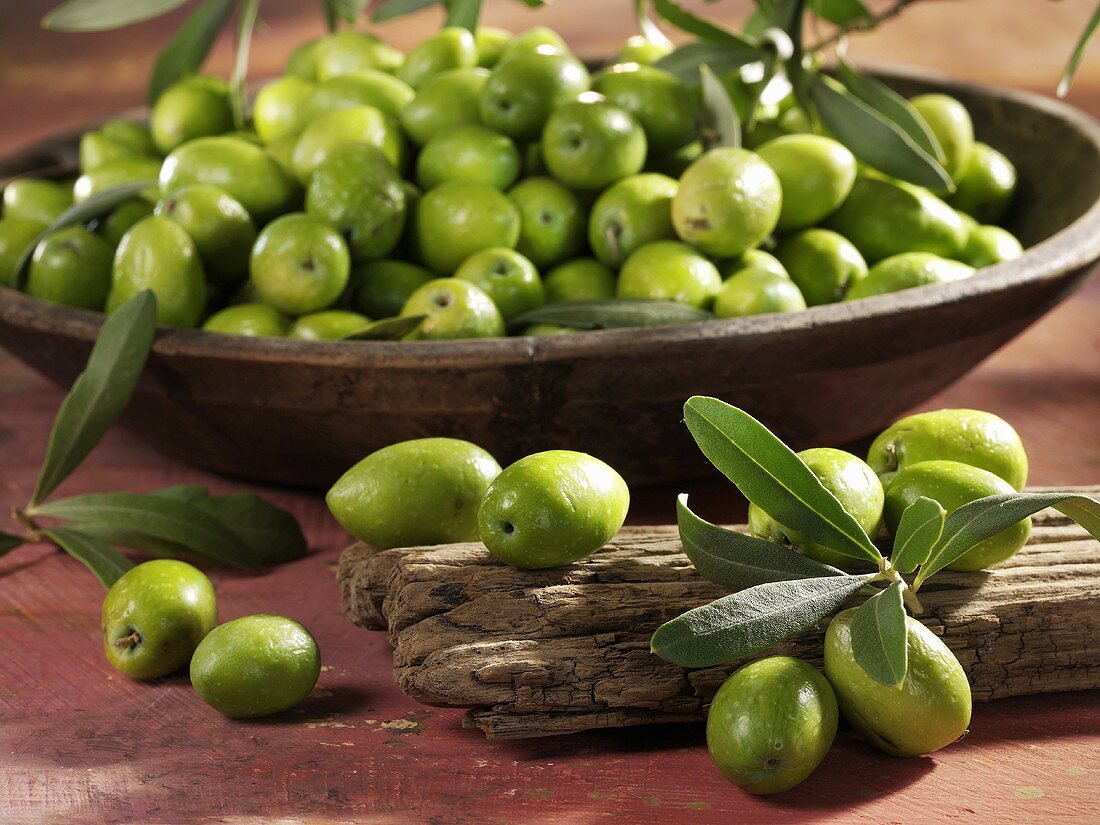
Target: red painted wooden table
x,y
79,743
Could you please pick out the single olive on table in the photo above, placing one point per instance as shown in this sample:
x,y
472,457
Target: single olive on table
x,y
363,173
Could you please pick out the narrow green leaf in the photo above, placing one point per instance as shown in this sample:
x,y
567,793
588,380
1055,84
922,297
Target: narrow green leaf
x,y
879,637
347,10
331,15
890,105
723,127
611,314
100,15
144,543
919,530
463,14
389,9
1078,52
684,62
175,521
270,534
773,477
183,492
703,29
8,542
840,12
94,207
753,620
737,561
189,47
873,138
246,23
982,519
103,560
388,329
101,392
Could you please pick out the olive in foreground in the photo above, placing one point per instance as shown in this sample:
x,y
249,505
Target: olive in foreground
x,y
552,508
424,491
973,437
154,617
255,666
771,723
929,711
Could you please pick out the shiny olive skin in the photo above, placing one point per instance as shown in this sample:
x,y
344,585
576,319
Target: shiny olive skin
x,y
255,666
36,199
639,49
16,236
281,107
242,169
954,484
251,320
754,259
973,437
669,271
771,723
454,308
193,107
72,266
383,287
551,220
491,43
824,264
424,491
446,101
219,225
455,220
930,710
906,271
552,508
535,39
989,245
581,279
346,52
472,154
122,219
590,144
507,277
755,291
158,255
155,615
330,325
357,124
629,214
96,149
986,187
366,87
951,124
815,173
357,191
658,100
450,48
299,264
525,88
115,172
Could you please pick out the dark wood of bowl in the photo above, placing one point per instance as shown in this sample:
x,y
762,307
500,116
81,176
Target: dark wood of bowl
x,y
301,413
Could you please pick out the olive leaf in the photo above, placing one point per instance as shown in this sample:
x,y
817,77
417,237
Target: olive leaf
x,y
246,23
775,479
347,10
753,620
986,517
737,561
703,29
100,392
684,62
873,138
918,531
611,314
389,9
879,637
840,12
189,47
463,14
101,15
8,542
89,209
1078,52
103,560
388,329
722,126
270,534
164,519
890,105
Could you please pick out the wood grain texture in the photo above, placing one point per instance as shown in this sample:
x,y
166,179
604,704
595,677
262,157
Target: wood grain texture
x,y
537,653
80,744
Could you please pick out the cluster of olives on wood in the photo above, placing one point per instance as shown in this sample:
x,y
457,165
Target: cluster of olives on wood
x,y
481,176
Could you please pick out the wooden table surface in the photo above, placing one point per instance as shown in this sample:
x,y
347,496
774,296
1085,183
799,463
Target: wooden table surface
x,y
79,743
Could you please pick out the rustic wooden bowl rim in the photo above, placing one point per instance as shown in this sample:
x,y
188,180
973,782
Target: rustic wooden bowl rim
x,y
1075,246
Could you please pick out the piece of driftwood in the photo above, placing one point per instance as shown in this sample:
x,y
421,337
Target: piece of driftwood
x,y
537,653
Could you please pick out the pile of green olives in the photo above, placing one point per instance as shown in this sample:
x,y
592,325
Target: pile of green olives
x,y
772,722
161,616
482,175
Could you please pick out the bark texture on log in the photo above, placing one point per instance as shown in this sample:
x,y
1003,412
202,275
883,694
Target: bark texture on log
x,y
537,653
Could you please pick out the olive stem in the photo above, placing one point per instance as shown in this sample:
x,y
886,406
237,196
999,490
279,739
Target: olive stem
x,y
910,599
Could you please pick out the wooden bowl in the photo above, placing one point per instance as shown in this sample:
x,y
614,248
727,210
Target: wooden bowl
x,y
303,412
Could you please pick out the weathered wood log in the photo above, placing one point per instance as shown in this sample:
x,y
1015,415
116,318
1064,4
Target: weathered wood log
x,y
536,653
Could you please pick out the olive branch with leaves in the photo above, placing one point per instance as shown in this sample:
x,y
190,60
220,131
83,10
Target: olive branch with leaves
x,y
779,593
